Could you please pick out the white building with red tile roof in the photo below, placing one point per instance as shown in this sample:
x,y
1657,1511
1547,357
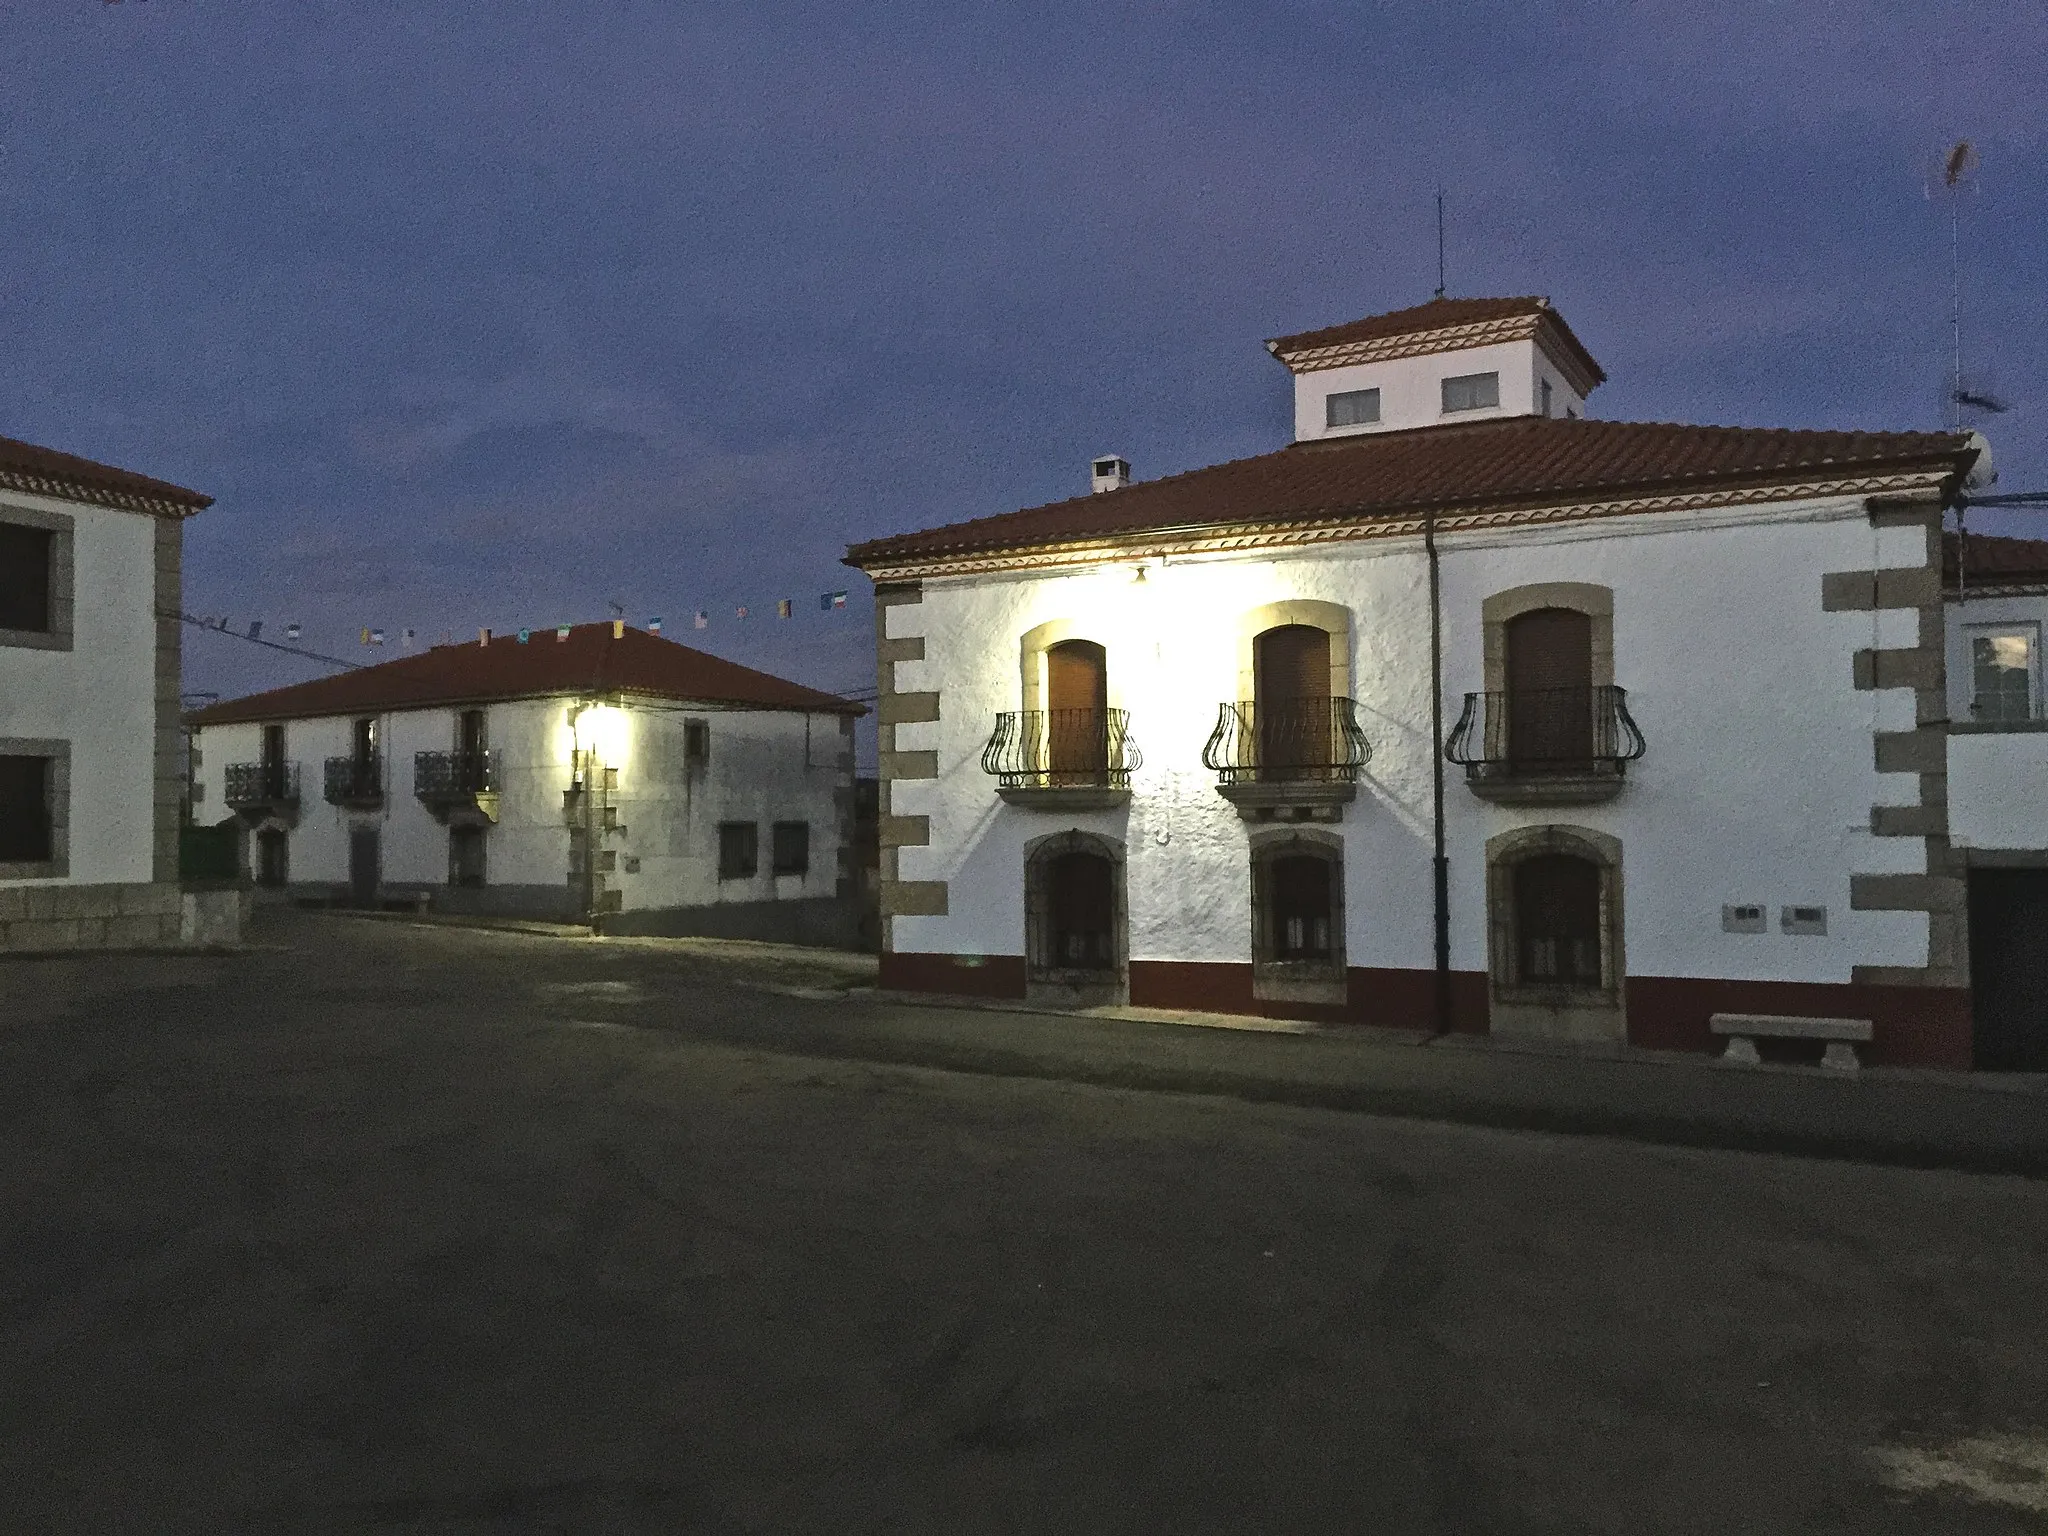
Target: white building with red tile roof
x,y
1670,703
599,772
90,560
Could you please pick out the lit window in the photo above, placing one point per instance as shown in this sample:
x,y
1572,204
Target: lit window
x,y
1353,408
1471,392
2002,674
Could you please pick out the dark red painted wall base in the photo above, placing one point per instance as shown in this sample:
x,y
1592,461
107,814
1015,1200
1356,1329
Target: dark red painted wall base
x,y
958,975
1914,1026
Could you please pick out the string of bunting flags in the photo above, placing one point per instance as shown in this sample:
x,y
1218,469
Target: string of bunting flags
x,y
375,635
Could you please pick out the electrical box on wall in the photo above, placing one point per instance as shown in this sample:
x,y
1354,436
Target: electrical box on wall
x,y
1803,919
1745,918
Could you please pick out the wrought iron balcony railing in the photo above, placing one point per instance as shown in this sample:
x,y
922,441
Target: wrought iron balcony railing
x,y
1545,733
254,784
447,776
1287,741
1062,749
355,780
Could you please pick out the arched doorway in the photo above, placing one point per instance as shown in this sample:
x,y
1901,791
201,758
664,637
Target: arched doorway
x,y
1291,669
1557,966
1550,690
1077,713
1076,937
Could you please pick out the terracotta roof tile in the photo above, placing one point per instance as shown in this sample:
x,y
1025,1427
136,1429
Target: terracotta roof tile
x,y
1507,461
1436,315
589,661
1993,558
46,472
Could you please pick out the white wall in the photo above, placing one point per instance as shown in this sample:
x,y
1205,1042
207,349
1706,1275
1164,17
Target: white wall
x,y
1411,389
1998,790
759,769
101,694
1757,786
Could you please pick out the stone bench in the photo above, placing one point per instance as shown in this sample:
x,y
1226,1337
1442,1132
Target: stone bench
x,y
1744,1029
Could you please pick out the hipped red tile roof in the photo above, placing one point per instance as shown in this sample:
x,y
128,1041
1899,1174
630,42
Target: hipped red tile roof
x,y
1989,560
1517,460
46,472
1438,315
589,662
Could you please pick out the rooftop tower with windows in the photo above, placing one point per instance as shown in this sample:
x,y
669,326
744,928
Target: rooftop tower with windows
x,y
1450,360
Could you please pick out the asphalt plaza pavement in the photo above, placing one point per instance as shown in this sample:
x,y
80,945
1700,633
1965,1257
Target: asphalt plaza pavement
x,y
384,1226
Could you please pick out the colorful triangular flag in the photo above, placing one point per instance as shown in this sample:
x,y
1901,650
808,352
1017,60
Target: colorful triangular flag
x,y
742,611
831,600
783,607
292,631
561,632
703,619
525,635
654,626
376,637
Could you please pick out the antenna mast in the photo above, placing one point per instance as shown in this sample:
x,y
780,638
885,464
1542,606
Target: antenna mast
x,y
1439,241
1954,168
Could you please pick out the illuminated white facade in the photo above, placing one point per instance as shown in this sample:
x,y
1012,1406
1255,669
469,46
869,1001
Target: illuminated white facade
x,y
1756,820
651,786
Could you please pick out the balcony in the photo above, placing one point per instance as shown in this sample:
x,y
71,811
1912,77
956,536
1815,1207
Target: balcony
x,y
1063,759
1546,746
258,791
1289,759
460,789
356,782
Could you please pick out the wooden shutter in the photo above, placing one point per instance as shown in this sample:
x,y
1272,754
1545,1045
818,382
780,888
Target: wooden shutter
x,y
1292,662
1077,711
1550,689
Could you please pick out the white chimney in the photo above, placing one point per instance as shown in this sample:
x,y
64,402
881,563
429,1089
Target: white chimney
x,y
1109,474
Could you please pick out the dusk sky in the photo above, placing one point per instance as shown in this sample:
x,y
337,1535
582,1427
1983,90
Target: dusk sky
x,y
495,313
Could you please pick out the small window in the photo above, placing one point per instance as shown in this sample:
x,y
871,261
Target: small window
x,y
739,850
25,811
1471,392
696,742
1546,397
1353,408
2002,682
792,847
273,858
1106,468
25,564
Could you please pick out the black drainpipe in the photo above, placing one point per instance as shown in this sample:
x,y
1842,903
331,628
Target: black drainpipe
x,y
1436,737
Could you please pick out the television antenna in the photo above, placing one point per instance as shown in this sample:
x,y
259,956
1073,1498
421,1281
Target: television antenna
x,y
1966,395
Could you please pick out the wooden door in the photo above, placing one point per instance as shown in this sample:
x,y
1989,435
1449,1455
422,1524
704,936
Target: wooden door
x,y
1083,912
1557,921
365,865
1291,713
1550,690
1077,712
2008,911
